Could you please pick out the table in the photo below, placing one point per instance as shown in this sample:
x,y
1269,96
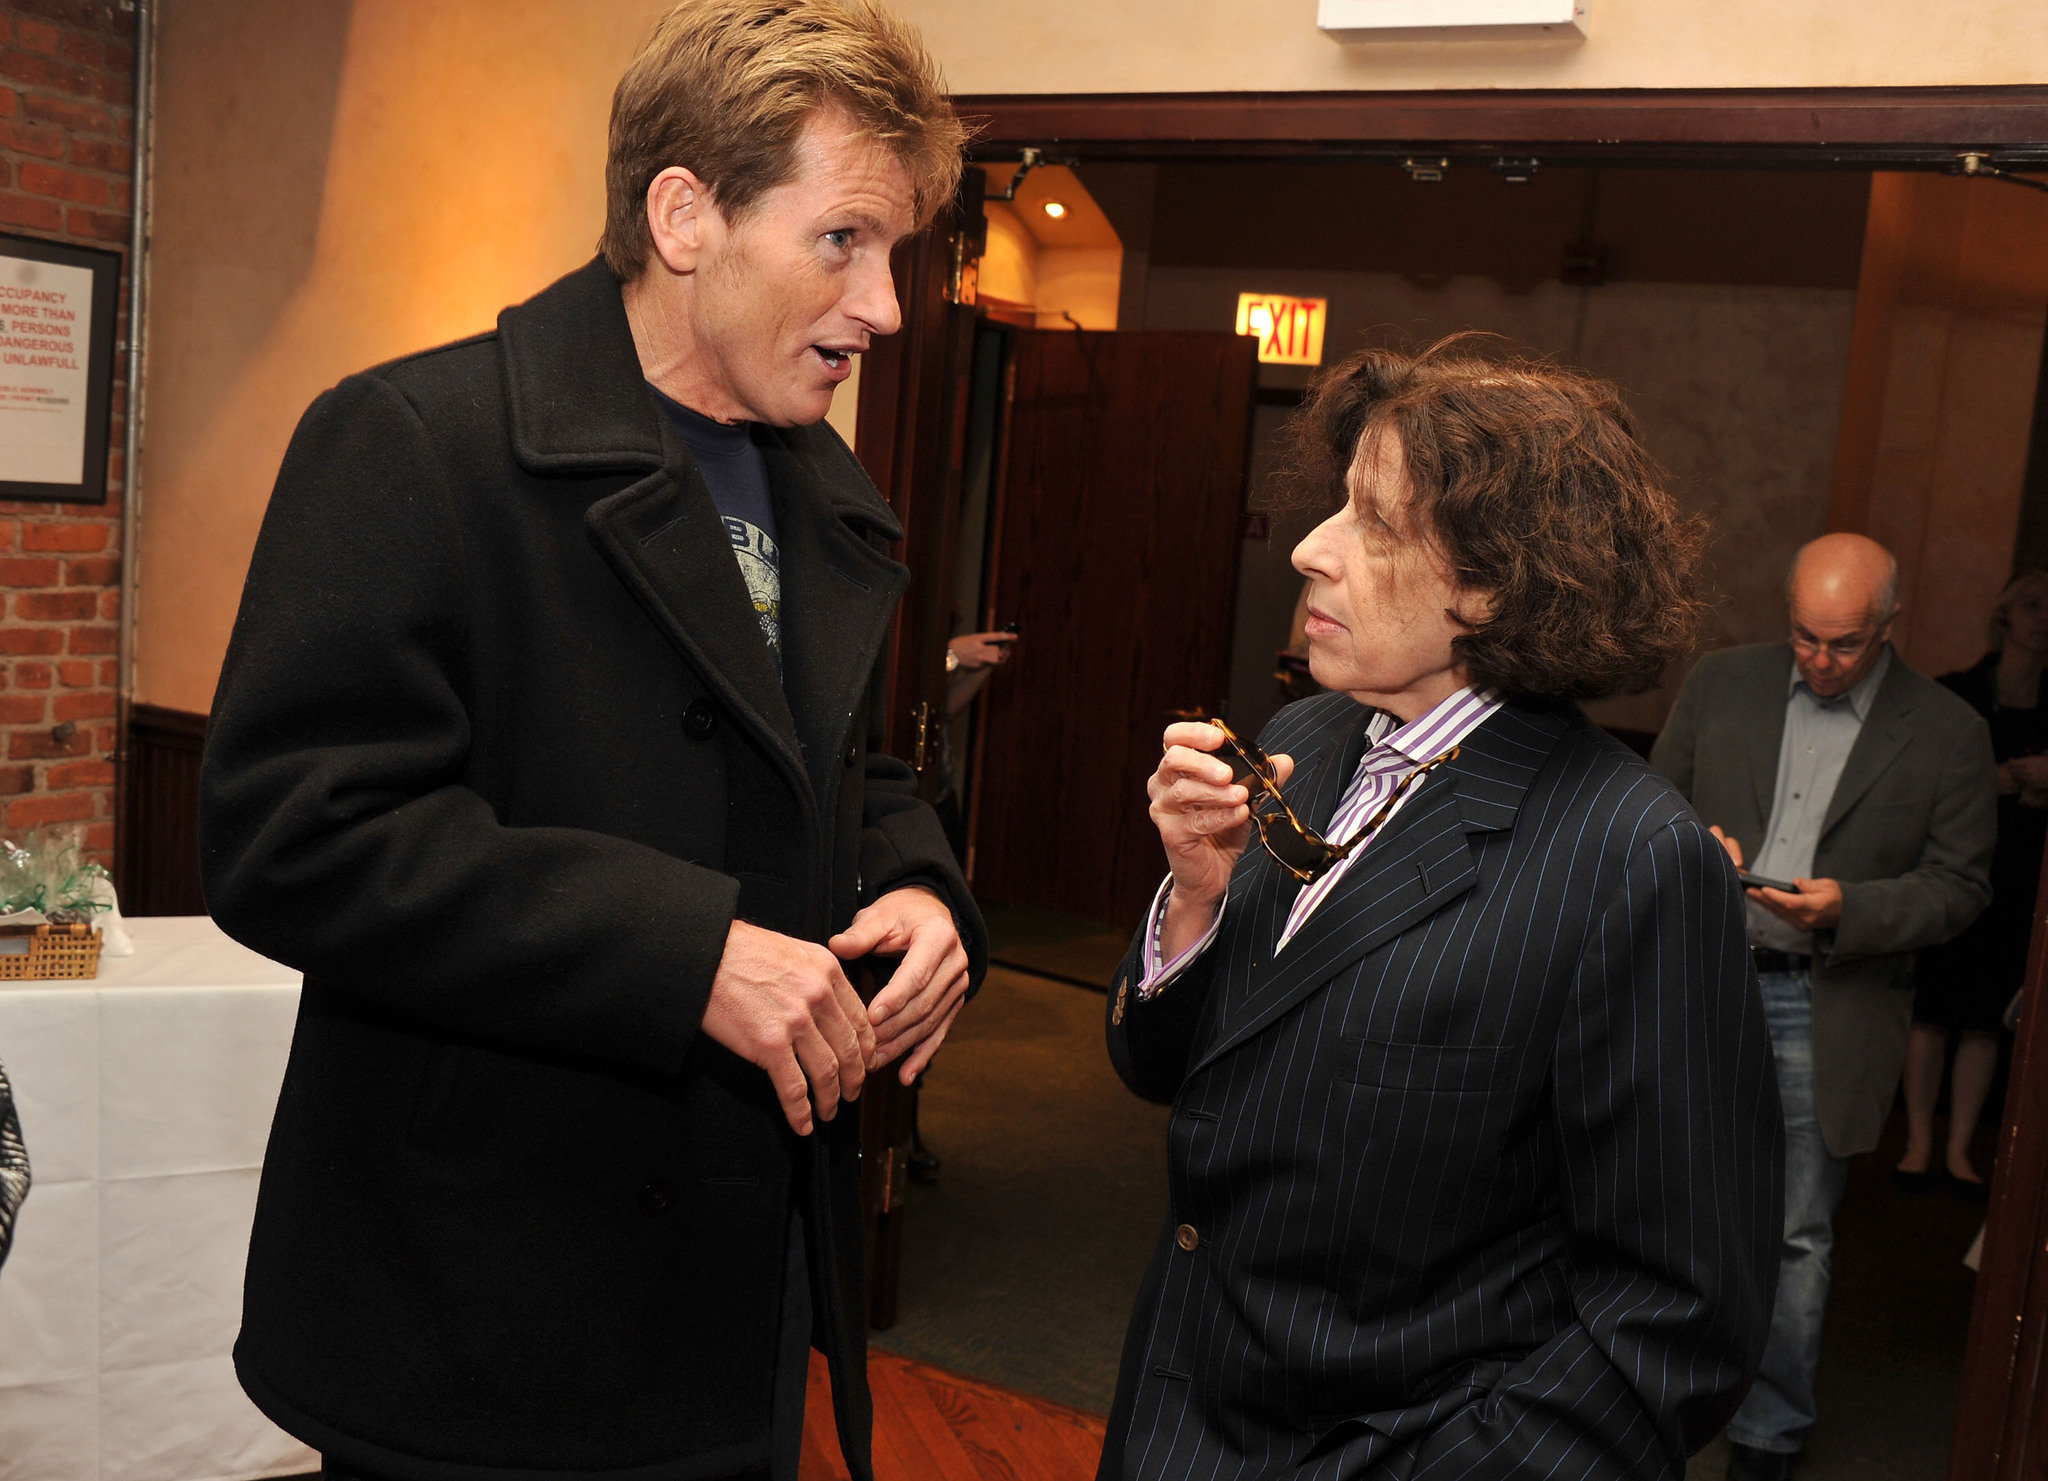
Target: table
x,y
145,1098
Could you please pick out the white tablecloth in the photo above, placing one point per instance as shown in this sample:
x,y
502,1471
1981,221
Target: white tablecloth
x,y
145,1099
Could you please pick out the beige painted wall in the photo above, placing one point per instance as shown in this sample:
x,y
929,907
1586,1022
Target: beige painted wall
x,y
337,184
1069,270
1009,268
342,181
1057,46
1737,390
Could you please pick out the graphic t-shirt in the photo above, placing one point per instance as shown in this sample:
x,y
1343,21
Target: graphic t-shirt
x,y
737,476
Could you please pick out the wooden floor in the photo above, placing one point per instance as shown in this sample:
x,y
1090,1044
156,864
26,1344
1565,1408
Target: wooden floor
x,y
931,1425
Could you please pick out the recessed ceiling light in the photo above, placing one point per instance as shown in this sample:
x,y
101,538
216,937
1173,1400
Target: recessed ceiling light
x,y
1055,210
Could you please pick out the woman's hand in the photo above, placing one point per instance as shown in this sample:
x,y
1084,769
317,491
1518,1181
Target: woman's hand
x,y
1204,821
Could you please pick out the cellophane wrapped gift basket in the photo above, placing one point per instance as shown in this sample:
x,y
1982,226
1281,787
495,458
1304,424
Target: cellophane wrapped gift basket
x,y
49,896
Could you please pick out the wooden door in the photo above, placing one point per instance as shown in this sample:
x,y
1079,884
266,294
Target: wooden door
x,y
912,419
1115,546
909,440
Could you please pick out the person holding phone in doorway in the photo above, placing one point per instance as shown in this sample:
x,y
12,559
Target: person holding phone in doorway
x,y
1827,765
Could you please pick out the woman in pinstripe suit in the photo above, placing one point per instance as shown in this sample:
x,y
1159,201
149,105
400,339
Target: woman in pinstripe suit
x,y
1475,1147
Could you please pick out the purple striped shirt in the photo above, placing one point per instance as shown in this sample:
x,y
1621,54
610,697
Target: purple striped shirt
x,y
1391,755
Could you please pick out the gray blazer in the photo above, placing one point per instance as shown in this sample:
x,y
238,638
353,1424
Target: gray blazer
x,y
1908,834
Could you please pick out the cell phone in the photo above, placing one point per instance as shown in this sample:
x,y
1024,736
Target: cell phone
x,y
1758,882
1014,627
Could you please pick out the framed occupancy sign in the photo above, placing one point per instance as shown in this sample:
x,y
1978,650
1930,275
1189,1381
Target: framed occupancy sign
x,y
57,306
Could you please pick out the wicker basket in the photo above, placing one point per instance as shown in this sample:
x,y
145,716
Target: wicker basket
x,y
34,953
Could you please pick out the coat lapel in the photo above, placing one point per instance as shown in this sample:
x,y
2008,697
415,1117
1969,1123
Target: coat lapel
x,y
1423,862
838,591
1878,744
579,404
577,399
665,539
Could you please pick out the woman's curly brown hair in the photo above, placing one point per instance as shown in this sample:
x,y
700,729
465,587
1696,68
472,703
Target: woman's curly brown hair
x,y
1537,493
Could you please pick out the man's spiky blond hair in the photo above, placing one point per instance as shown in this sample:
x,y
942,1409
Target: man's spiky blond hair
x,y
724,88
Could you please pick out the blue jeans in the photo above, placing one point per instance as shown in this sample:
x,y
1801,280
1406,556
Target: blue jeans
x,y
1779,1412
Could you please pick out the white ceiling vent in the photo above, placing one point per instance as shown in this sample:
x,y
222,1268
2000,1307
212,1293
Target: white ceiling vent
x,y
1478,20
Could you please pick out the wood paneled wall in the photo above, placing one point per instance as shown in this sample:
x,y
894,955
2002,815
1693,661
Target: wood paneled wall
x,y
156,865
1940,403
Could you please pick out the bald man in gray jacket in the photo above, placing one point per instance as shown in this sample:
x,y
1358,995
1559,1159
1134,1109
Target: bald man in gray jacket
x,y
1827,763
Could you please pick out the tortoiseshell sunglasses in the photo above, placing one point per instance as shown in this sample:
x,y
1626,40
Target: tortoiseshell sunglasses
x,y
1296,847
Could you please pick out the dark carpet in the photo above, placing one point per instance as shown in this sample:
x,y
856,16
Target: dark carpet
x,y
1021,1263
1048,944
1891,1357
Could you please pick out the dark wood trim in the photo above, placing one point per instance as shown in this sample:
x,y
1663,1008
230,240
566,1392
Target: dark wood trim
x,y
156,867
1923,127
888,1127
909,438
2030,544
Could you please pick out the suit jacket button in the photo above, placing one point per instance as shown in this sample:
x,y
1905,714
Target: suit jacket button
x,y
656,1197
699,719
1186,1237
851,754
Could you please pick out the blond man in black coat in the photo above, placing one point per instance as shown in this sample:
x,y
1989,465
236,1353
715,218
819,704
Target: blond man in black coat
x,y
546,746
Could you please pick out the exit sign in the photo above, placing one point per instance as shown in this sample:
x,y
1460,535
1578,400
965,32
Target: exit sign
x,y
1289,330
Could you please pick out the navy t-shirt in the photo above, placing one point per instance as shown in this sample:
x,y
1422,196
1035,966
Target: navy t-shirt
x,y
737,476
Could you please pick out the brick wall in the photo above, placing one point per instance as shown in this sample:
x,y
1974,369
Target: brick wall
x,y
67,129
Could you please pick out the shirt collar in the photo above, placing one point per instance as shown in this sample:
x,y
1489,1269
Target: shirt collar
x,y
1860,698
1429,735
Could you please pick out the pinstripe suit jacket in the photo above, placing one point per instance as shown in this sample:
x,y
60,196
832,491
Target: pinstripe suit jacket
x,y
1483,1172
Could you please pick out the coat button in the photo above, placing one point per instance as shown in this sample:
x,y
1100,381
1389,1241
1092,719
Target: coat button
x,y
851,754
656,1196
1186,1237
699,719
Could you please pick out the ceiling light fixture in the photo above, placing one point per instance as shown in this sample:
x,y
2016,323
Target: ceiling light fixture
x,y
1055,210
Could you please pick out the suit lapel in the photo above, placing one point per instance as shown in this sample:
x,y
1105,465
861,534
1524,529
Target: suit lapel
x,y
1423,862
1765,734
1878,743
1323,770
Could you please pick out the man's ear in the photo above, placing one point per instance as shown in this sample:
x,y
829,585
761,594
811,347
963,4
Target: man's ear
x,y
679,211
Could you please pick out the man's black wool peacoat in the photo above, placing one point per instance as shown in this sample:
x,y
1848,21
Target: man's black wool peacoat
x,y
498,754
